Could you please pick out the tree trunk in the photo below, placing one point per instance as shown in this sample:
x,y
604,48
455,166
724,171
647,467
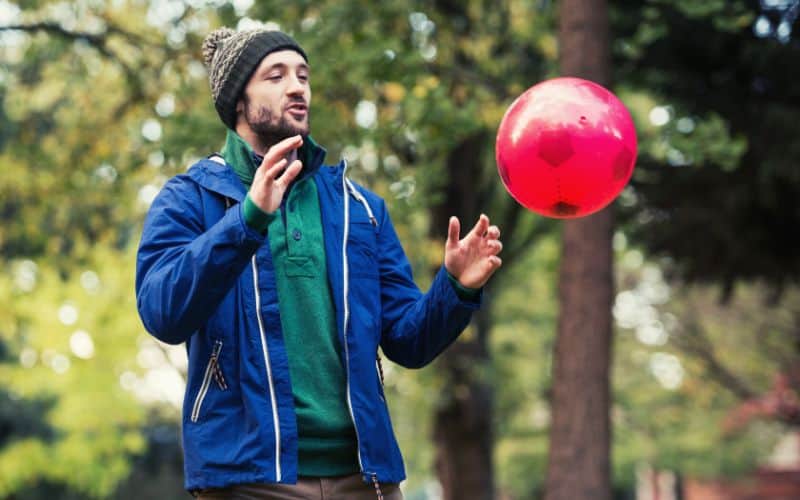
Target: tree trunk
x,y
462,428
579,464
463,425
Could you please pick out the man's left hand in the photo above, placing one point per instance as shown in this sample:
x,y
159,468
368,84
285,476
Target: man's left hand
x,y
472,260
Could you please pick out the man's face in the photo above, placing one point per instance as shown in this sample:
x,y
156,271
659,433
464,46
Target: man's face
x,y
275,102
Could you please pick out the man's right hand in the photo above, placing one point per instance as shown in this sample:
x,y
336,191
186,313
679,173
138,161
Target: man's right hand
x,y
273,176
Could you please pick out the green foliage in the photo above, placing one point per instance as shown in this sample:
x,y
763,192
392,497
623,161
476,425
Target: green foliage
x,y
721,160
97,114
682,361
70,341
524,315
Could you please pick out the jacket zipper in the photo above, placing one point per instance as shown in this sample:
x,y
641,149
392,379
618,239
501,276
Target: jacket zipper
x,y
358,196
379,370
265,351
377,485
346,284
211,370
347,186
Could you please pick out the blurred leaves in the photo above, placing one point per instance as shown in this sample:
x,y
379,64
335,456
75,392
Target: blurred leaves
x,y
730,177
67,417
100,103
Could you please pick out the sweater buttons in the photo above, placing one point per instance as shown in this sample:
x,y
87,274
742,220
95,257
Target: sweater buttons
x,y
296,234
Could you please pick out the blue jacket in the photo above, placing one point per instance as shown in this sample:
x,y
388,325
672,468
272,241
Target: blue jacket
x,y
206,278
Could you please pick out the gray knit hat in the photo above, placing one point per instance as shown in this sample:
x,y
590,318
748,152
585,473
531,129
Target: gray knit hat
x,y
231,58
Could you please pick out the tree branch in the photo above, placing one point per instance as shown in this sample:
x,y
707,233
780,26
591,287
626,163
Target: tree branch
x,y
100,42
53,27
522,242
97,40
696,342
497,87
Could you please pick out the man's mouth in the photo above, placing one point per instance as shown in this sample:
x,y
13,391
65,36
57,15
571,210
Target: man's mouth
x,y
297,109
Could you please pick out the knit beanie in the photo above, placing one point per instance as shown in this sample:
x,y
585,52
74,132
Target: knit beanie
x,y
231,57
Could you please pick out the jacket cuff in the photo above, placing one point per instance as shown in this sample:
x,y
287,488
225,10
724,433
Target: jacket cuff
x,y
444,284
464,293
254,217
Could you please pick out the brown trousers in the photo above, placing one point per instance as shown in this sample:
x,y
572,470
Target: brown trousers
x,y
307,488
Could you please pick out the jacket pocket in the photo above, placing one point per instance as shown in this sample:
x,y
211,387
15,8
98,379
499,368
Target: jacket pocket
x,y
362,250
213,371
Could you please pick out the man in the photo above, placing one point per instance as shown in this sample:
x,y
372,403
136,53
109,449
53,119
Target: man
x,y
283,278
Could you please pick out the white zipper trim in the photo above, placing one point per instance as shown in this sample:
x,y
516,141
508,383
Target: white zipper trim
x,y
198,402
380,379
358,196
265,351
345,274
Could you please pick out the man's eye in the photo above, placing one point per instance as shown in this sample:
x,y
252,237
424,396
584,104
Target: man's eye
x,y
274,77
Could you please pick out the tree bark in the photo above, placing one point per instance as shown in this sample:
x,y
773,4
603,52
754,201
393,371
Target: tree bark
x,y
579,465
462,428
463,423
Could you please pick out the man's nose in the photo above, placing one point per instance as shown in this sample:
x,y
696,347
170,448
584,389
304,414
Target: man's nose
x,y
295,87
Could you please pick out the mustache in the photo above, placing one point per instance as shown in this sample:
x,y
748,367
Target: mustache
x,y
294,101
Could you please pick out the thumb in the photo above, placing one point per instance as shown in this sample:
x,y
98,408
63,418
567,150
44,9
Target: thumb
x,y
453,232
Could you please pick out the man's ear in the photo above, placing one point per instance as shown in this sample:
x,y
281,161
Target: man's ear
x,y
239,106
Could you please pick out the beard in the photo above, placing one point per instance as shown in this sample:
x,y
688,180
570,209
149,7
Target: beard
x,y
268,130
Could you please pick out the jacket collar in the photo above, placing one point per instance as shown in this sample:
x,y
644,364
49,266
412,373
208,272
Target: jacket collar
x,y
215,174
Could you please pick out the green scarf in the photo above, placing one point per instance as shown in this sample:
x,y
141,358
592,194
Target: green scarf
x,y
238,154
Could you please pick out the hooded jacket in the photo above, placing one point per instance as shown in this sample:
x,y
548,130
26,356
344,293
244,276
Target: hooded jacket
x,y
204,277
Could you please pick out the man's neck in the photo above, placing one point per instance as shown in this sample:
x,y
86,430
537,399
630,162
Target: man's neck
x,y
292,156
260,148
252,139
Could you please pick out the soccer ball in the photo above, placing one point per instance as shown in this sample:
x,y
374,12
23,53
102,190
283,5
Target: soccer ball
x,y
566,148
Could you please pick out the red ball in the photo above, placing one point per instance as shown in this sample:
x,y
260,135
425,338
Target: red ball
x,y
566,147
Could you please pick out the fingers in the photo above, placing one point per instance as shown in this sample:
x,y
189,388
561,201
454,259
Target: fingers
x,y
290,173
477,275
272,172
281,174
494,246
473,259
453,231
281,149
481,226
482,234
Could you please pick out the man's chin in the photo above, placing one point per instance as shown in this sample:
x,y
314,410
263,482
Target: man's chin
x,y
274,133
301,128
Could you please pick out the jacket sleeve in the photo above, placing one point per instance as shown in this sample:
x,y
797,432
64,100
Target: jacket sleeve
x,y
183,270
416,327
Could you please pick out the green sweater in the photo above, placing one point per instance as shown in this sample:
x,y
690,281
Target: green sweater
x,y
327,444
